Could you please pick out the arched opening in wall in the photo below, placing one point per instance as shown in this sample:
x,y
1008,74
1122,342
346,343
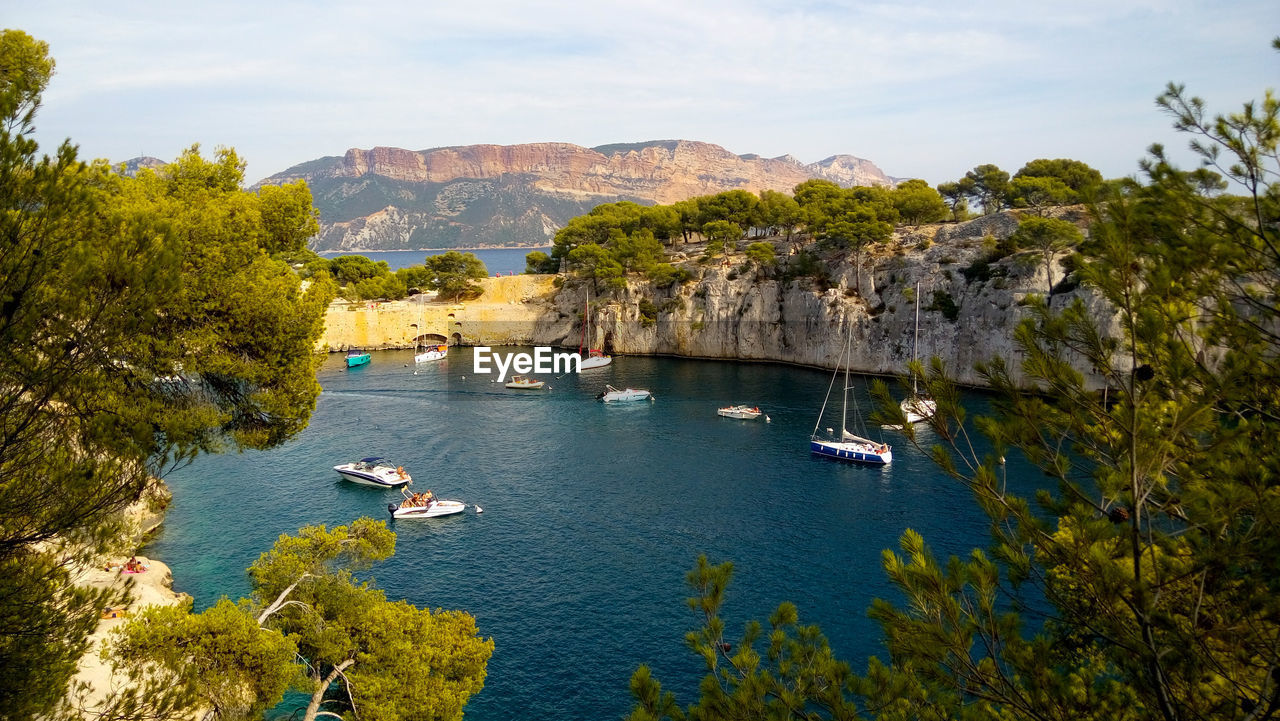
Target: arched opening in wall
x,y
608,343
457,339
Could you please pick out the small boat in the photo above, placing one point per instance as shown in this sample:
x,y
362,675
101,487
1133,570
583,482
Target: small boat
x,y
357,357
613,395
743,412
428,353
431,353
374,471
594,357
424,505
847,446
917,406
525,383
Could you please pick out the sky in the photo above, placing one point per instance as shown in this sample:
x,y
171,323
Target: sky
x,y
922,89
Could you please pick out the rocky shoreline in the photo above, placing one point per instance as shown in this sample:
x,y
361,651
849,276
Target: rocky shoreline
x,y
734,311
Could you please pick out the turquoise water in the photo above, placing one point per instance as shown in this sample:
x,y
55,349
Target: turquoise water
x,y
592,514
497,260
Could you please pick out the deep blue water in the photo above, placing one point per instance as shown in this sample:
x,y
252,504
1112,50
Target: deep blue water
x,y
497,260
592,514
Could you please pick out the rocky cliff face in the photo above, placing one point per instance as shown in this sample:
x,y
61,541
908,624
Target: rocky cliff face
x,y
730,313
487,195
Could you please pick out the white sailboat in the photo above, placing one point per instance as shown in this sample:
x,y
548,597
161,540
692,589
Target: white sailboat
x,y
593,357
848,446
433,352
917,406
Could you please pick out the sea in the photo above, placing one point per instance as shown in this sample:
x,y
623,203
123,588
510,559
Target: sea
x,y
592,514
498,261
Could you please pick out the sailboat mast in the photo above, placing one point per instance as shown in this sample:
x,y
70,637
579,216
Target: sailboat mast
x,y
844,405
586,321
915,345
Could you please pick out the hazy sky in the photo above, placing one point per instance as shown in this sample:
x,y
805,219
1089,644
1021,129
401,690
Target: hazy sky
x,y
923,89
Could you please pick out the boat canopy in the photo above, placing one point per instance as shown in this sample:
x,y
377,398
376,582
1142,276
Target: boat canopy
x,y
371,459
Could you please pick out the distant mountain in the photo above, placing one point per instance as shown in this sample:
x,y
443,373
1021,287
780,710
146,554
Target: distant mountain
x,y
133,165
519,195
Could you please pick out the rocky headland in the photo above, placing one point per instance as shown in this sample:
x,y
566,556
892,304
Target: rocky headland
x,y
519,195
969,307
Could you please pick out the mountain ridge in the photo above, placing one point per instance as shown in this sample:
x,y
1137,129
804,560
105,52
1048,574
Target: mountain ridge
x,y
484,195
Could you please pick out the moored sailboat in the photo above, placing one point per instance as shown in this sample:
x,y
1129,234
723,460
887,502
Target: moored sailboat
x,y
847,446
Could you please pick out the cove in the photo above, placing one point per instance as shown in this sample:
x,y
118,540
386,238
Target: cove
x,y
592,514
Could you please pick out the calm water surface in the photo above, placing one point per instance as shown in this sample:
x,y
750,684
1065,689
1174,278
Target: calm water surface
x,y
592,514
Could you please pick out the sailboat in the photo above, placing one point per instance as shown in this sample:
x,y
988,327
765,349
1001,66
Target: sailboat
x,y
433,352
848,446
917,406
593,358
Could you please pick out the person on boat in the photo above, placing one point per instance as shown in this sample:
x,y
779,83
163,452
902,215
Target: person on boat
x,y
400,471
428,497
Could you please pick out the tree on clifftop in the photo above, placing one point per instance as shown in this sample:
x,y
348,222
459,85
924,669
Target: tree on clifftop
x,y
452,274
143,322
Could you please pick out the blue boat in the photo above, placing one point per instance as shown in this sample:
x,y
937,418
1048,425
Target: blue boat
x,y
847,446
357,357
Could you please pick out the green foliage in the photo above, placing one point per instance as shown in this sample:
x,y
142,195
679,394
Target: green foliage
x,y
311,623
956,196
1083,181
143,323
778,213
539,262
721,235
944,304
790,673
1158,552
648,312
220,659
348,269
1049,237
807,265
594,262
917,203
988,186
1039,193
288,217
762,254
452,274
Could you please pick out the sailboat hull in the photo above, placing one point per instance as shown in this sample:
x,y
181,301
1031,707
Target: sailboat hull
x,y
855,452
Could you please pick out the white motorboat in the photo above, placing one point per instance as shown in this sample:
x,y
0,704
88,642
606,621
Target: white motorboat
x,y
374,471
592,357
847,446
525,383
424,505
917,406
742,412
614,395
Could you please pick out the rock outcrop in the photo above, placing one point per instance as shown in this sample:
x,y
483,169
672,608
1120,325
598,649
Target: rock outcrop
x,y
969,308
490,195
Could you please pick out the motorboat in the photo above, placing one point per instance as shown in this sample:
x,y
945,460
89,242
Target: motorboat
x,y
374,471
614,395
847,446
742,412
424,505
357,357
525,383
